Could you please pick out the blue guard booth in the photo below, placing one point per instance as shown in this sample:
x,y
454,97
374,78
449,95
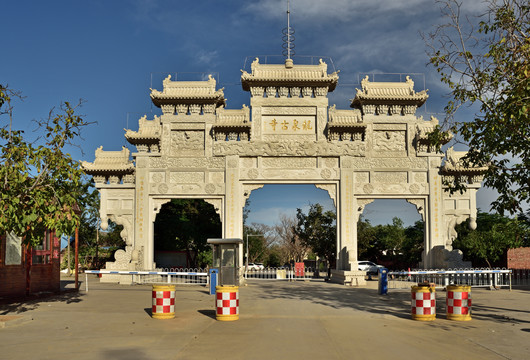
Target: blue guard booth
x,y
225,270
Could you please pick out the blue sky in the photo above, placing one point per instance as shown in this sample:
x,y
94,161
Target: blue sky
x,y
110,52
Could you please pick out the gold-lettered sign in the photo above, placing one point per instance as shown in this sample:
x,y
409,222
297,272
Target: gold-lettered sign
x,y
289,125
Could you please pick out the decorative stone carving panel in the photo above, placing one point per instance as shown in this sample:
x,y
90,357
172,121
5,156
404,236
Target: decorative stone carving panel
x,y
288,110
289,148
248,162
420,177
217,177
389,141
290,162
331,162
390,177
291,174
164,162
362,177
187,143
157,177
382,163
186,177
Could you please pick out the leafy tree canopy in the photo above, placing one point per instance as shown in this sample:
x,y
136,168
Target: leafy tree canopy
x,y
318,230
495,234
41,185
485,61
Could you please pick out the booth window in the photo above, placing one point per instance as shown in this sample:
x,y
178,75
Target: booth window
x,y
13,250
42,252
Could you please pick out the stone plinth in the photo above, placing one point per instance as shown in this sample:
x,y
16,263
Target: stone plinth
x,y
351,278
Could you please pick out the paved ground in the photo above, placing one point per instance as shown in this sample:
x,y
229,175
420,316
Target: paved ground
x,y
279,320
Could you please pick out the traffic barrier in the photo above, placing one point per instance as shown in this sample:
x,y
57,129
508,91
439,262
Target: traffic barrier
x,y
423,302
458,302
156,277
163,302
227,303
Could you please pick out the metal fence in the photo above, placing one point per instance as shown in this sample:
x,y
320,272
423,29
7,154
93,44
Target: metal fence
x,y
284,273
491,278
521,277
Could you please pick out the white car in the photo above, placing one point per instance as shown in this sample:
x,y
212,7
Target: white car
x,y
256,266
369,267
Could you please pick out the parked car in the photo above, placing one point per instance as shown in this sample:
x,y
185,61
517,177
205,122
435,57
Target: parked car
x,y
256,266
369,267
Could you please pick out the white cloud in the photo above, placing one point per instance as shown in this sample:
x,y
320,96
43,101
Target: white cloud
x,y
343,10
207,57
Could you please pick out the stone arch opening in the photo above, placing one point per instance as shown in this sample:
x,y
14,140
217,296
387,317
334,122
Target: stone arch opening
x,y
391,232
180,231
275,205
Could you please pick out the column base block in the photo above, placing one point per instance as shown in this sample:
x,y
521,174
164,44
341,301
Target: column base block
x,y
350,278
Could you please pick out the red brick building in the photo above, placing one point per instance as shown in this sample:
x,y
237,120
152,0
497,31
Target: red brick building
x,y
519,258
25,270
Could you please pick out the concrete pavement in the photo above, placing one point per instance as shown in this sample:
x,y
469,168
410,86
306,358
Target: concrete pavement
x,y
278,320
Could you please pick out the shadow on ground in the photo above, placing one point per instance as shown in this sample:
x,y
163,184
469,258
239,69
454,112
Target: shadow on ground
x,y
396,302
31,302
339,296
209,313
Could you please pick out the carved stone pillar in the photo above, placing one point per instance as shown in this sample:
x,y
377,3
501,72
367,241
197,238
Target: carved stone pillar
x,y
142,217
347,248
434,240
233,209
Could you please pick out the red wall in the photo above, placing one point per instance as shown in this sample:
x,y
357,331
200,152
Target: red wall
x,y
519,258
12,281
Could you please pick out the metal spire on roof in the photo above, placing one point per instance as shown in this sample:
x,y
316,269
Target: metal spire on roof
x,y
288,37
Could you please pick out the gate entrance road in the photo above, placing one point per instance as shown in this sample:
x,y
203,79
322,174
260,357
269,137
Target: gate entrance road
x,y
278,320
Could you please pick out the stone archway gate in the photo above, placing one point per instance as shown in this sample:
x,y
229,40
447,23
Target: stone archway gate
x,y
199,149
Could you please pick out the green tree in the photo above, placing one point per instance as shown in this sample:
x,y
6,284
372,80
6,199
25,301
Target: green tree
x,y
41,185
485,61
366,239
318,230
186,224
414,244
393,244
390,239
495,234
